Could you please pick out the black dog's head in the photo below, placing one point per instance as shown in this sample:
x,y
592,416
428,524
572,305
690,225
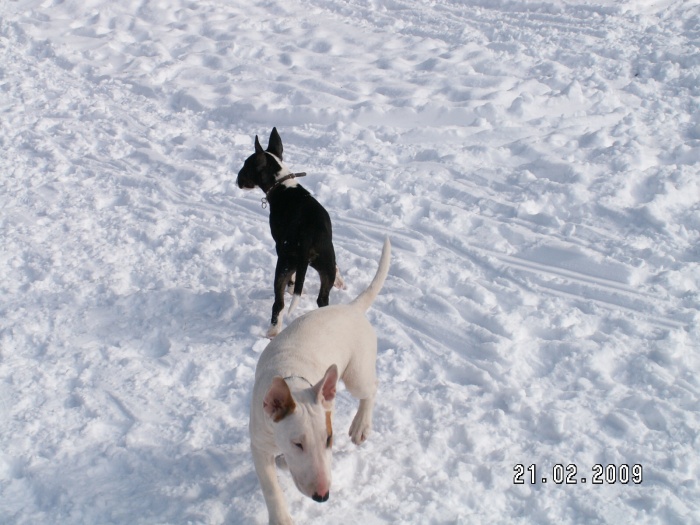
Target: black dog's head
x,y
261,167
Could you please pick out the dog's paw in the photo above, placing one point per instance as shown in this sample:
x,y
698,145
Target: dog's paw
x,y
273,330
339,283
359,430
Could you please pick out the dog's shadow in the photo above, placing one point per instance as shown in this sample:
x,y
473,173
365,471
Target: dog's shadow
x,y
157,415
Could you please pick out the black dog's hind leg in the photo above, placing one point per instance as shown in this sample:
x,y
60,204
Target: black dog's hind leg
x,y
283,272
326,269
327,279
302,266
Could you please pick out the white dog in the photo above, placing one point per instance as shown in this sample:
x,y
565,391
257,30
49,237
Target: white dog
x,y
295,384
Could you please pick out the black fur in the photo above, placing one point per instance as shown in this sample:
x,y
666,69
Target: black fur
x,y
300,226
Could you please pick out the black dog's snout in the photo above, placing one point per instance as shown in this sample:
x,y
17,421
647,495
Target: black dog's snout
x,y
321,499
243,182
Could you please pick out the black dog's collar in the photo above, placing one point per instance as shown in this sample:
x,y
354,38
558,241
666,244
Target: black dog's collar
x,y
274,186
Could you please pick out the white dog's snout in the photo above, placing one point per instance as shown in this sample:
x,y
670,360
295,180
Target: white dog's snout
x,y
321,499
317,486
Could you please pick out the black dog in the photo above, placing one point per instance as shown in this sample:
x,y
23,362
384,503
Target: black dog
x,y
300,226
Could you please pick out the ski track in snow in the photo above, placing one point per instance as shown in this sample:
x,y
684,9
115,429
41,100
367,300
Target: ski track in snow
x,y
535,165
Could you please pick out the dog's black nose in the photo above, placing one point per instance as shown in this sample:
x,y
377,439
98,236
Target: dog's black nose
x,y
321,499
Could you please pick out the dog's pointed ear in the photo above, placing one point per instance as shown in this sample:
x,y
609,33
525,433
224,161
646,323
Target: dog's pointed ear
x,y
258,147
325,388
278,402
260,157
274,145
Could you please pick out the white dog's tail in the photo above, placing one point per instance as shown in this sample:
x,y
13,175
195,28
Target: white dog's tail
x,y
366,298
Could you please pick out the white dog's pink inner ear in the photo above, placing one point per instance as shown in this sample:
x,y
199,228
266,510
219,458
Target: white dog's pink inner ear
x,y
325,388
278,402
329,383
329,392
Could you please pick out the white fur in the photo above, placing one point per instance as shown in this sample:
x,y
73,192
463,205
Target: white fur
x,y
289,183
321,346
295,301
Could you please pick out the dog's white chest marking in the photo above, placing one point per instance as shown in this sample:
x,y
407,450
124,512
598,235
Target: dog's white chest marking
x,y
283,172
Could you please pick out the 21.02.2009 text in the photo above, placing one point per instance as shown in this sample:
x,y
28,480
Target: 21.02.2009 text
x,y
569,474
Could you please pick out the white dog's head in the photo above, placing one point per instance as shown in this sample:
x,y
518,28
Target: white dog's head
x,y
303,431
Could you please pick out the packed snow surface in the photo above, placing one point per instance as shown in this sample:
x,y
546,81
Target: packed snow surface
x,y
536,165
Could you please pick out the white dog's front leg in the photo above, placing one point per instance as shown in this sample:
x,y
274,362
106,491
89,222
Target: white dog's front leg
x,y
274,498
362,423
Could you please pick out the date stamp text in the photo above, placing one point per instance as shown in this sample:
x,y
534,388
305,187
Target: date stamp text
x,y
569,474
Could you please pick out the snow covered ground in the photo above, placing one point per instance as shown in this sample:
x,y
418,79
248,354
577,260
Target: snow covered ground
x,y
535,163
